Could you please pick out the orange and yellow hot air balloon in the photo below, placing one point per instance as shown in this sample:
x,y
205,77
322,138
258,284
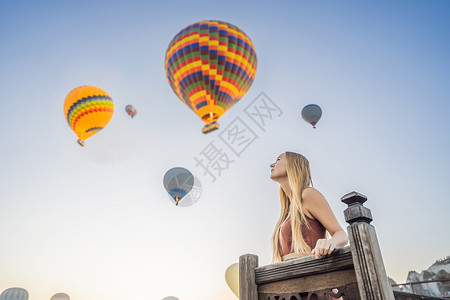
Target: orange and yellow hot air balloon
x,y
88,109
210,65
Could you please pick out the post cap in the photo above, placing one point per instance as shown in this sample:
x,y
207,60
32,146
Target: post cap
x,y
353,198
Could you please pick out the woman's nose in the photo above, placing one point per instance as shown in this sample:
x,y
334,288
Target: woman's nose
x,y
272,165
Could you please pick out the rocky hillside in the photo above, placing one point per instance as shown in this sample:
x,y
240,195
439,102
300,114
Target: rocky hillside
x,y
439,270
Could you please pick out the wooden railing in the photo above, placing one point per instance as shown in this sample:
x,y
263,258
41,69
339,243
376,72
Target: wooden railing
x,y
413,283
410,296
353,272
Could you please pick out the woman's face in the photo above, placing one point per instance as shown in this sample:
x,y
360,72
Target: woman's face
x,y
278,168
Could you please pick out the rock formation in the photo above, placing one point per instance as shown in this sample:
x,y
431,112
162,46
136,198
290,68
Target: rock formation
x,y
439,270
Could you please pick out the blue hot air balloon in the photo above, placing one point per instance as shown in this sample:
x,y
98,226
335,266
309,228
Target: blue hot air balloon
x,y
14,294
178,183
311,113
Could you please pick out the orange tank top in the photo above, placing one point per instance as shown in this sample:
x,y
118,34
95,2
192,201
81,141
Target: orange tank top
x,y
310,234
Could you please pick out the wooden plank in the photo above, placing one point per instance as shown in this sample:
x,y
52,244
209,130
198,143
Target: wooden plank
x,y
309,283
408,296
304,266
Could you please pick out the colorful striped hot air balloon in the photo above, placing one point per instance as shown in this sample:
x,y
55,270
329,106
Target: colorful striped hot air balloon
x,y
14,294
88,109
210,66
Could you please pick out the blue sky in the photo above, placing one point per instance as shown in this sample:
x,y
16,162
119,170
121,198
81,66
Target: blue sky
x,y
95,222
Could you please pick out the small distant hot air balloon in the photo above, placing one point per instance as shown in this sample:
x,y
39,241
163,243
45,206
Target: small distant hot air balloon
x,y
88,109
60,296
232,278
131,111
311,113
210,66
178,183
14,294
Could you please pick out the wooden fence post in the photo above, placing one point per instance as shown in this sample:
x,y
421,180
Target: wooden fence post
x,y
369,268
248,289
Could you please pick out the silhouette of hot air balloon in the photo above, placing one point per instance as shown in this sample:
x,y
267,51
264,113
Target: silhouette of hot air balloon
x,y
210,66
178,183
311,113
232,278
88,109
131,111
14,294
60,296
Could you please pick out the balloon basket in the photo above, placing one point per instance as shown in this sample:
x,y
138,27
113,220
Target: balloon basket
x,y
81,142
210,127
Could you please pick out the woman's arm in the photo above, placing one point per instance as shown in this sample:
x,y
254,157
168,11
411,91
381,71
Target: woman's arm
x,y
316,205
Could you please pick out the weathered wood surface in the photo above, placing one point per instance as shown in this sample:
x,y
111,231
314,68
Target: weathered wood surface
x,y
356,212
409,296
347,292
309,283
304,266
372,279
248,289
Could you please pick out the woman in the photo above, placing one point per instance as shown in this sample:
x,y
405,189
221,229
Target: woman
x,y
305,214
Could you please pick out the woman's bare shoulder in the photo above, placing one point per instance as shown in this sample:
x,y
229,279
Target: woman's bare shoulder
x,y
312,199
311,193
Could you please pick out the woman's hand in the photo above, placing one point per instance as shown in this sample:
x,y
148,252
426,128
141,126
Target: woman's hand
x,y
323,247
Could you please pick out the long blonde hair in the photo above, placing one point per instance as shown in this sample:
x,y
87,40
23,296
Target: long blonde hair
x,y
299,177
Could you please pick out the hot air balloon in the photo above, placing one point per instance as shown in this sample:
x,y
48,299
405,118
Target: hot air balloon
x,y
88,109
131,111
178,183
311,113
232,278
210,66
14,294
60,296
